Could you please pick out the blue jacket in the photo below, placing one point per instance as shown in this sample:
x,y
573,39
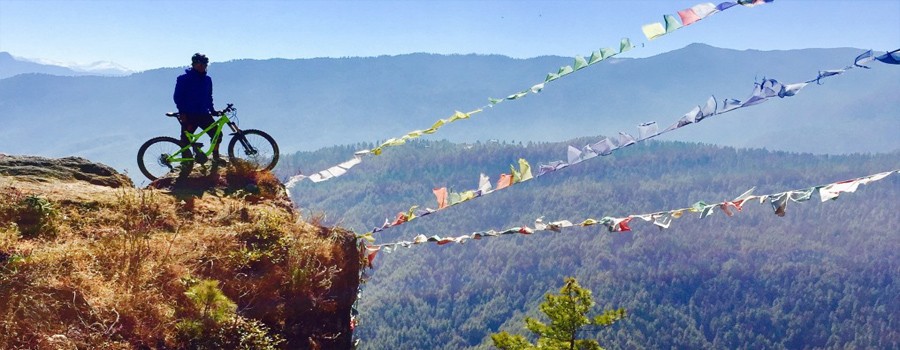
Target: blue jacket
x,y
193,93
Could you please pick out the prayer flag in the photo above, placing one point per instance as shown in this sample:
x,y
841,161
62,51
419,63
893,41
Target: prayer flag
x,y
625,139
705,9
688,16
596,56
607,52
580,63
653,30
892,57
647,130
866,57
671,23
441,194
504,181
725,5
779,203
604,147
625,45
708,110
574,155
791,89
730,104
484,184
524,170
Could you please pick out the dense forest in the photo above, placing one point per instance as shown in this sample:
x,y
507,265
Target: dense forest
x,y
826,275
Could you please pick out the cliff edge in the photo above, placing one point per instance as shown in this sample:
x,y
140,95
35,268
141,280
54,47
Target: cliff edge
x,y
218,258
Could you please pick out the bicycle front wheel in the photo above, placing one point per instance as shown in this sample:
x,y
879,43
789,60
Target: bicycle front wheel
x,y
255,147
154,154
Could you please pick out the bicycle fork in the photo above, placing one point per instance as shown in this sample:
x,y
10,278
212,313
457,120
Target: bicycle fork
x,y
248,148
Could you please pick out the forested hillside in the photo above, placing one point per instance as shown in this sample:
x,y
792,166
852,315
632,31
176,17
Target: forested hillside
x,y
826,275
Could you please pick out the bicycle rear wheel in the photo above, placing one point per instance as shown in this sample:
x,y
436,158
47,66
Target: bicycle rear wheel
x,y
153,156
255,147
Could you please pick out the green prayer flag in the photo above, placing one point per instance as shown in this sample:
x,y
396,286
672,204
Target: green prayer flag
x,y
551,77
516,177
494,100
596,56
411,213
565,70
698,207
580,63
607,52
671,23
625,45
453,198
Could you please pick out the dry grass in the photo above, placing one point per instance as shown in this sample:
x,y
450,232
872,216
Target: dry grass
x,y
117,267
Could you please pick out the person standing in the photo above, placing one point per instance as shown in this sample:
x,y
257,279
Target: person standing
x,y
194,100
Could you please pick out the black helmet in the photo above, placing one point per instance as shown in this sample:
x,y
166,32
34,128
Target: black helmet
x,y
199,58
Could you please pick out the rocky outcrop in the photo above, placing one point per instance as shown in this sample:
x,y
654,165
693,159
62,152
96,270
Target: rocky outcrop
x,y
67,169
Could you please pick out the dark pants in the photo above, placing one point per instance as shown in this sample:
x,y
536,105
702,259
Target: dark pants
x,y
190,123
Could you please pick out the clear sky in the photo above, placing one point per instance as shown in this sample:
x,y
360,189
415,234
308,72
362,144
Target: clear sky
x,y
143,35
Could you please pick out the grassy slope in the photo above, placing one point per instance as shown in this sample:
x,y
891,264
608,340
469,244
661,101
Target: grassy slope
x,y
99,267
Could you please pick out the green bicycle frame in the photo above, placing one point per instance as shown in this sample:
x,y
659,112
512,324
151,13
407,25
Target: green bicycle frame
x,y
192,139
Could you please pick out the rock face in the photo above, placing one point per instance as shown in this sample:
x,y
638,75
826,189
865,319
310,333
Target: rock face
x,y
42,169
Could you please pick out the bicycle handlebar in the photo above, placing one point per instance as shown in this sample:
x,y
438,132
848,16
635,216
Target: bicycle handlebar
x,y
229,108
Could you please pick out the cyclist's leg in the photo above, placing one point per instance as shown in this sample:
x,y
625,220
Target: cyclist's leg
x,y
204,121
187,126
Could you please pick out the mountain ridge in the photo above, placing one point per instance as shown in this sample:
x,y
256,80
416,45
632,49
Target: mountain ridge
x,y
312,103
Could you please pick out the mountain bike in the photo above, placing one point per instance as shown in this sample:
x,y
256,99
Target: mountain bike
x,y
161,155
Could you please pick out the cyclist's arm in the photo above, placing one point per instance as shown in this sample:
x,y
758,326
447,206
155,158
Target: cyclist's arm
x,y
178,96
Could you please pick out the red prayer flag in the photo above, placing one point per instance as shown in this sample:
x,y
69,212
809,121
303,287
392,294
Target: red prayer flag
x,y
688,16
623,225
504,181
401,218
441,194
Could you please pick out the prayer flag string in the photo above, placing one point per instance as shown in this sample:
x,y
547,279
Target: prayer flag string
x,y
662,219
689,17
762,92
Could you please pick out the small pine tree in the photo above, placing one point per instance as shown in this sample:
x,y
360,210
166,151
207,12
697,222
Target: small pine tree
x,y
567,312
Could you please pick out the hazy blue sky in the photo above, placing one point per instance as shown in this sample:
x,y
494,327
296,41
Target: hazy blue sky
x,y
143,35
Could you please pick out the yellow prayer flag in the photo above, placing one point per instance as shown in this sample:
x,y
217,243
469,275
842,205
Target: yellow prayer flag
x,y
653,30
524,170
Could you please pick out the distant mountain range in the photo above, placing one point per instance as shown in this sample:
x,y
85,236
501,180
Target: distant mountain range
x,y
307,104
11,66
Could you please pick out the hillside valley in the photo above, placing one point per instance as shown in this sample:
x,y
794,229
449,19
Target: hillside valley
x,y
823,276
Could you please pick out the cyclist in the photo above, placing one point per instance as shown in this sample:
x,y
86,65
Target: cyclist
x,y
194,100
